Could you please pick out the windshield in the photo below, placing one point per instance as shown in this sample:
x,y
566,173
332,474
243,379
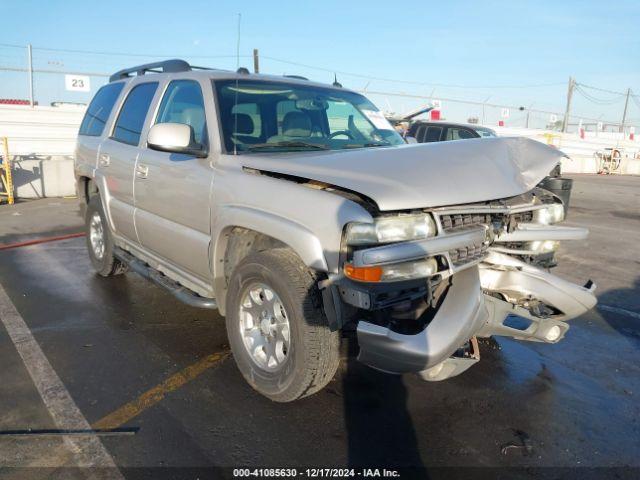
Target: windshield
x,y
259,116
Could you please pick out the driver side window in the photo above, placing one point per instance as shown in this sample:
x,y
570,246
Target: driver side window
x,y
183,103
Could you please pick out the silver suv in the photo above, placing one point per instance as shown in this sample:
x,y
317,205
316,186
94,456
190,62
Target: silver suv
x,y
296,211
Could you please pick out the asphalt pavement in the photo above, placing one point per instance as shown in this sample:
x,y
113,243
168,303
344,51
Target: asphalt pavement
x,y
134,359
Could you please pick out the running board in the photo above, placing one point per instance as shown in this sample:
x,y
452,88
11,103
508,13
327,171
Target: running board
x,y
181,292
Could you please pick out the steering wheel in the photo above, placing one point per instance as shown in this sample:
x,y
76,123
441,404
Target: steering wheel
x,y
346,133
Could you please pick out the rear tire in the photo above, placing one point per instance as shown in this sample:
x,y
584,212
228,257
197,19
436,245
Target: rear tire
x,y
272,292
100,241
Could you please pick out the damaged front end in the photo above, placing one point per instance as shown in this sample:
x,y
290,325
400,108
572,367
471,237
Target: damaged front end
x,y
458,273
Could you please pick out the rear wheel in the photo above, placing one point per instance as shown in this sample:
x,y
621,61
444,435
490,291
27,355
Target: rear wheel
x,y
99,240
279,335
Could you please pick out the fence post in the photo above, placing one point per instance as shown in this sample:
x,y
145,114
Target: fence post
x,y
30,70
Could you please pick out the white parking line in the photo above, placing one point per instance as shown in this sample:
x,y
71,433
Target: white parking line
x,y
88,450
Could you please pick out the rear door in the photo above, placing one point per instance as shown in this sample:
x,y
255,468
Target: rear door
x,y
118,155
93,125
172,189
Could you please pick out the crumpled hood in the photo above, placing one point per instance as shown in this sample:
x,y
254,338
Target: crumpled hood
x,y
424,175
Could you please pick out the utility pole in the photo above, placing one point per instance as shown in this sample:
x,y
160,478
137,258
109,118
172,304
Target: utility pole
x,y
626,106
528,113
565,122
30,70
256,61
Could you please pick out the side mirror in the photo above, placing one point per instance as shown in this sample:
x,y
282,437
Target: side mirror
x,y
174,138
410,139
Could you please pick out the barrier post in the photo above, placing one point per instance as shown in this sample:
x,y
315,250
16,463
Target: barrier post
x,y
7,181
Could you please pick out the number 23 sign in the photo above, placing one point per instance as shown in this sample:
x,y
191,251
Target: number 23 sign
x,y
77,83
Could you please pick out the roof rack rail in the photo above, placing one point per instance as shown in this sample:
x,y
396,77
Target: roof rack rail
x,y
166,66
298,77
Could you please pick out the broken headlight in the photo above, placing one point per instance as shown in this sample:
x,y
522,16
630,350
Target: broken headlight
x,y
549,215
397,228
543,246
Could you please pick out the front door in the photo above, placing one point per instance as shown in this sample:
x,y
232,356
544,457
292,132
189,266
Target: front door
x,y
117,159
172,190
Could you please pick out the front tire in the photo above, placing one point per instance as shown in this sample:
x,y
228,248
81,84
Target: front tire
x,y
99,240
280,338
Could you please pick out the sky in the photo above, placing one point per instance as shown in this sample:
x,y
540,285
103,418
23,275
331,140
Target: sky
x,y
511,52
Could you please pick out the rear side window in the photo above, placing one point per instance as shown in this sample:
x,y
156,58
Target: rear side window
x,y
183,103
99,110
419,135
432,134
459,134
134,110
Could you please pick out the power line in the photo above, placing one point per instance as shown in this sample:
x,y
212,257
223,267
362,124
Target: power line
x,y
304,65
476,103
280,60
408,82
44,70
593,99
601,89
12,45
120,54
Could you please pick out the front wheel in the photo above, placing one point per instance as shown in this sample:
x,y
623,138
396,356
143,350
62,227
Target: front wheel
x,y
279,336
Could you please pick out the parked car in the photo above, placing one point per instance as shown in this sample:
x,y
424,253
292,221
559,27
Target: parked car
x,y
296,211
435,131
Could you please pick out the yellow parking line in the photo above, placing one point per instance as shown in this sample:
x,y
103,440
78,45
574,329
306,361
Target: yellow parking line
x,y
157,393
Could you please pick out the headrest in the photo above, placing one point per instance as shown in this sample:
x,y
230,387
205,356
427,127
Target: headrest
x,y
296,124
243,123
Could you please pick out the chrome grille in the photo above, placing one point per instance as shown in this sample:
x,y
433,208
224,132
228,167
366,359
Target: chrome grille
x,y
455,222
467,254
523,217
493,221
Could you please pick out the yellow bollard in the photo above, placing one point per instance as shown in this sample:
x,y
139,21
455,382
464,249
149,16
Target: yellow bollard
x,y
553,139
7,181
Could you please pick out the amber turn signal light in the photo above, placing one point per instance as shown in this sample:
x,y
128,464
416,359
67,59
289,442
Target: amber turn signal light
x,y
363,274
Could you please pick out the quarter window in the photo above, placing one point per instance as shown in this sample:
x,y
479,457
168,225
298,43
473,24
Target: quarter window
x,y
99,110
134,110
183,103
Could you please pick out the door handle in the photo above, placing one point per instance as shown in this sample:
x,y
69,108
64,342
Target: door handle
x,y
142,171
104,160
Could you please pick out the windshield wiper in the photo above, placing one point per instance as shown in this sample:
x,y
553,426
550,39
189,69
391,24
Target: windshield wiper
x,y
367,145
288,144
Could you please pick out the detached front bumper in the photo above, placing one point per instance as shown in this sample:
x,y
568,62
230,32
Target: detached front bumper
x,y
485,290
461,314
